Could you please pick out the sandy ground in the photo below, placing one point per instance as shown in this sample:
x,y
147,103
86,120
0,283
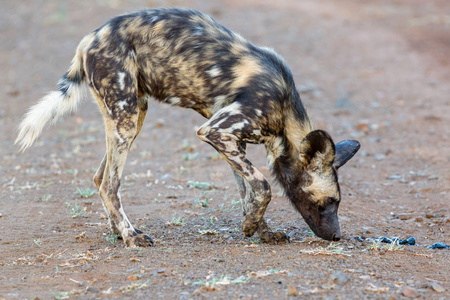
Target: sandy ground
x,y
376,71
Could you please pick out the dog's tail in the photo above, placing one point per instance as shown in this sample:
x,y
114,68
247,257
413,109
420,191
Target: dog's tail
x,y
63,100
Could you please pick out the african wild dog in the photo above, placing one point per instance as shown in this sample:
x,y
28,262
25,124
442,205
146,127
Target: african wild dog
x,y
185,58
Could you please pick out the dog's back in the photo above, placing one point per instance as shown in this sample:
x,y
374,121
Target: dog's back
x,y
187,59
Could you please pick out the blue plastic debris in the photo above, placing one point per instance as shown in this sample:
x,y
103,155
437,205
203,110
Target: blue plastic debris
x,y
411,241
439,246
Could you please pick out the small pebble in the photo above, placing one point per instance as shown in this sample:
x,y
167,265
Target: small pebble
x,y
380,156
410,292
363,125
404,216
92,289
339,278
431,216
292,291
437,287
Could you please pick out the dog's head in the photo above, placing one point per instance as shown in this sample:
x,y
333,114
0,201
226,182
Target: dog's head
x,y
317,194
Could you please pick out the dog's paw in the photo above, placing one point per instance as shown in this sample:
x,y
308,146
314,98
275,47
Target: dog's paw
x,y
277,237
249,227
139,240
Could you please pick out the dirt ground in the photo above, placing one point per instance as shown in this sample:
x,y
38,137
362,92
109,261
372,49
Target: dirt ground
x,y
374,70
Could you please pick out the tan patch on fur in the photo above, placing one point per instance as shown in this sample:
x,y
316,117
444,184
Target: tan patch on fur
x,y
243,72
296,131
322,187
81,52
104,31
275,149
239,47
158,27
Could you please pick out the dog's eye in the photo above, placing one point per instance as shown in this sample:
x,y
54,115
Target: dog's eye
x,y
331,200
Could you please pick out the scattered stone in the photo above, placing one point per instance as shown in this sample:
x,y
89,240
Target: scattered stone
x,y
343,103
184,264
404,216
435,286
92,289
132,277
81,236
380,156
292,290
363,125
410,292
374,289
431,216
393,177
339,278
439,246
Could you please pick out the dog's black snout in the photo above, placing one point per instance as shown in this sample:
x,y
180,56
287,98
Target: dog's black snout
x,y
336,237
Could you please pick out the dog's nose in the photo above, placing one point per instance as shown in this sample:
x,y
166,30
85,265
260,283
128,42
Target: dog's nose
x,y
336,237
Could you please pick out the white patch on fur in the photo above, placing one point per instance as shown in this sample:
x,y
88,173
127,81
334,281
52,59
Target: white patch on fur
x,y
154,19
46,112
121,104
198,30
233,108
214,71
119,138
122,226
235,126
219,102
132,54
174,100
121,80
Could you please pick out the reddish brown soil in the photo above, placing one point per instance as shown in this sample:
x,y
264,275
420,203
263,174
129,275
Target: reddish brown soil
x,y
377,71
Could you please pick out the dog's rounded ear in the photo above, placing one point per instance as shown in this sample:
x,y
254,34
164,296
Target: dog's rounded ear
x,y
317,149
344,151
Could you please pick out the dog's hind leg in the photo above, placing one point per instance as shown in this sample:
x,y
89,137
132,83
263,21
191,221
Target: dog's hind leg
x,y
98,177
123,114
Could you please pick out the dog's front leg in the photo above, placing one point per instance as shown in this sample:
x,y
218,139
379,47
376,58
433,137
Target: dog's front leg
x,y
264,232
225,132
